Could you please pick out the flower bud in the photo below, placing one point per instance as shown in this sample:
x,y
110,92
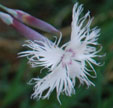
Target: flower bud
x,y
30,20
7,19
21,28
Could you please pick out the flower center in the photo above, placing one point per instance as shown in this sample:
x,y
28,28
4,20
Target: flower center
x,y
67,57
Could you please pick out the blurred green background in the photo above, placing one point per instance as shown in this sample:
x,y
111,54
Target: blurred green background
x,y
15,72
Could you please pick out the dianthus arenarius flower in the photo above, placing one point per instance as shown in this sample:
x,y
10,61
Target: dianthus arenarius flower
x,y
68,62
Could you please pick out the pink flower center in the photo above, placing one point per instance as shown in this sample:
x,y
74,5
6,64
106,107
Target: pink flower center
x,y
67,57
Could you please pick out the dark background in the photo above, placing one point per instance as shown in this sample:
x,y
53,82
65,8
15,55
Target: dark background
x,y
15,72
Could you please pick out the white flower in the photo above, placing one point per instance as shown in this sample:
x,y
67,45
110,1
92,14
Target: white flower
x,y
68,62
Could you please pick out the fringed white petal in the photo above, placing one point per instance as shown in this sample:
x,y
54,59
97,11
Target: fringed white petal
x,y
81,32
47,55
83,43
58,79
77,70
